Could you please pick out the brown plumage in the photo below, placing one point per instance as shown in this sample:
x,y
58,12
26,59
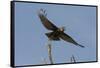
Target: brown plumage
x,y
57,33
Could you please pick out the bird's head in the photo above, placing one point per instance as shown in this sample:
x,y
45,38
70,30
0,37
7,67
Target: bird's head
x,y
62,29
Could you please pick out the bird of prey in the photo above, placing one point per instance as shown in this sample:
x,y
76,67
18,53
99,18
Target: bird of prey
x,y
56,33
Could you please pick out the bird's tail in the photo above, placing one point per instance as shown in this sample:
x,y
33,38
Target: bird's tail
x,y
80,45
51,36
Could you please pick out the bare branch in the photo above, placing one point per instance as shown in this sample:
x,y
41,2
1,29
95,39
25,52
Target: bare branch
x,y
50,52
73,60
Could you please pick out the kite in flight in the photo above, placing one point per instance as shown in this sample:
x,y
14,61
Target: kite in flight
x,y
57,33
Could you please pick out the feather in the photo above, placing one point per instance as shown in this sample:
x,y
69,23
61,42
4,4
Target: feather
x,y
47,23
67,38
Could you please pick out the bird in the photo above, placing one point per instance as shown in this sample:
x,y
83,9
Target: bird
x,y
55,34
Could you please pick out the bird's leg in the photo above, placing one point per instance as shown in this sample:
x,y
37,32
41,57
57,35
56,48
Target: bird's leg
x,y
50,51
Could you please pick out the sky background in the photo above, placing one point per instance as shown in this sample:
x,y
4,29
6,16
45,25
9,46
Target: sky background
x,y
31,41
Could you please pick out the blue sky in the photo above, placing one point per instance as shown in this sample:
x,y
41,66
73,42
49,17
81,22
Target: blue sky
x,y
31,42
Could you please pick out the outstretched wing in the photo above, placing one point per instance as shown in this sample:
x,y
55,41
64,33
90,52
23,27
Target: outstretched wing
x,y
69,39
47,23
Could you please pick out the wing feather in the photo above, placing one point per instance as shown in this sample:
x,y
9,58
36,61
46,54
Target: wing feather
x,y
67,38
47,23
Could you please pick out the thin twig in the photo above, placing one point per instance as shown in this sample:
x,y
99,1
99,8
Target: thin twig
x,y
73,60
44,60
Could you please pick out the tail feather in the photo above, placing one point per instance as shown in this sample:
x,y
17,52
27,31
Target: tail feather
x,y
81,45
52,37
